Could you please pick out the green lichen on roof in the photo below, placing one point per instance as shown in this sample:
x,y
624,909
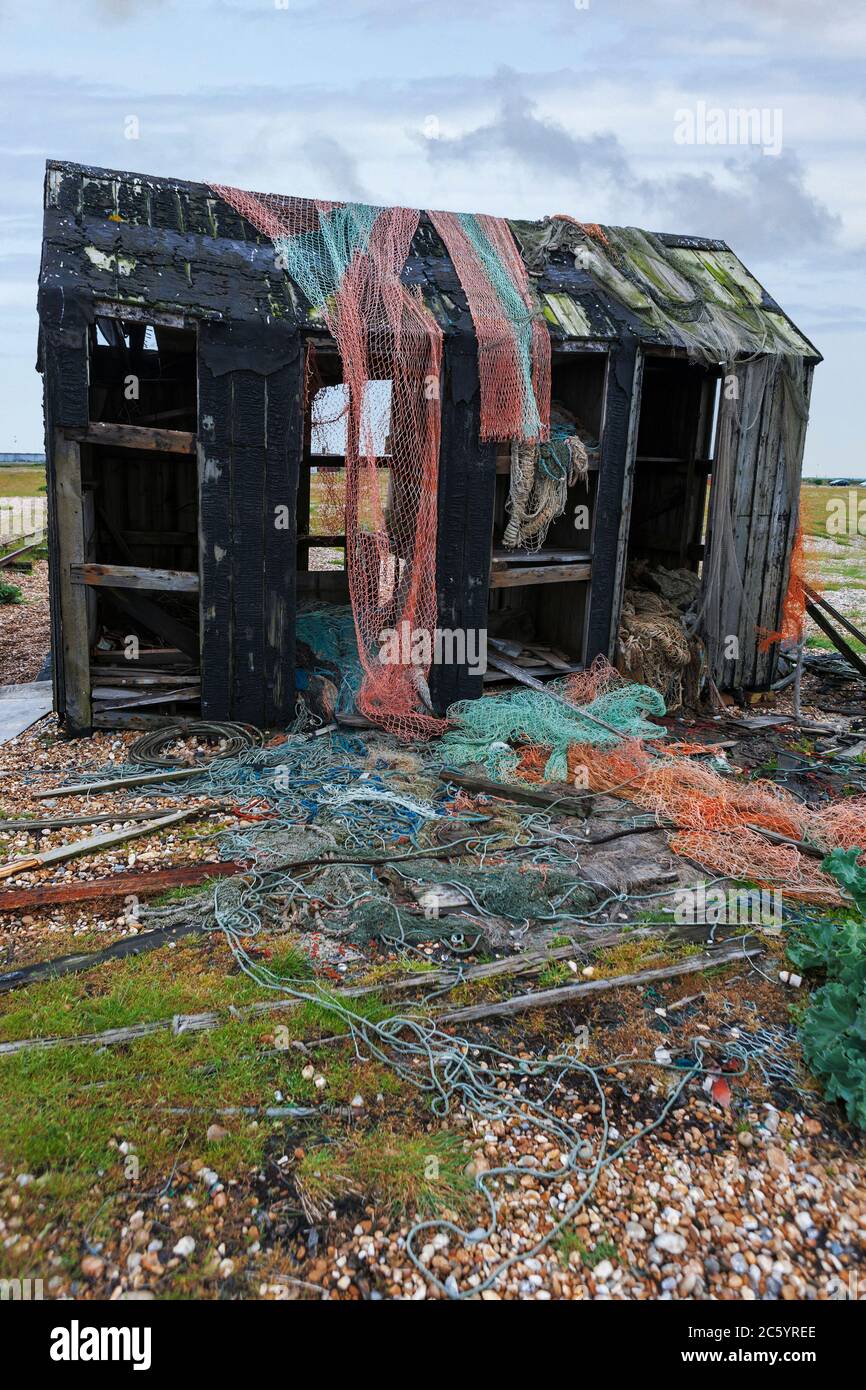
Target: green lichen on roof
x,y
673,291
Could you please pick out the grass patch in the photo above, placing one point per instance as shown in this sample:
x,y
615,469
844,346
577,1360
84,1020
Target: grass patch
x,y
185,891
815,508
555,974
28,480
403,1173
568,1243
191,977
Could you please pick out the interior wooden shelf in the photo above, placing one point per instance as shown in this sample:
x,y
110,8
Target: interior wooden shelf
x,y
502,577
503,556
134,577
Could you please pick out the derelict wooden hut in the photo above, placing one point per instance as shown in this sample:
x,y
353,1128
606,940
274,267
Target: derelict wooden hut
x,y
175,352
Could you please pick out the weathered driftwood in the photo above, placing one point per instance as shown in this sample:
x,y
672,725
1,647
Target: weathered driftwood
x,y
527,962
533,796
118,885
545,998
94,844
135,779
204,1022
30,827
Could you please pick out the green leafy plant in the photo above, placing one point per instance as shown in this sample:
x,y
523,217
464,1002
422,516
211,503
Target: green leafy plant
x,y
833,1028
843,865
10,593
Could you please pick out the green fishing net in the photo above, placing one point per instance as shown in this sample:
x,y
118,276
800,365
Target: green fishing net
x,y
519,892
483,730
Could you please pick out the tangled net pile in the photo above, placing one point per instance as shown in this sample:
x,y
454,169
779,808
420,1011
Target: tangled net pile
x,y
301,779
716,815
483,730
656,641
541,474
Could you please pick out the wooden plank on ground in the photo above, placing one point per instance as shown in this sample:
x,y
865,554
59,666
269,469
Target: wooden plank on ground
x,y
111,784
563,801
117,885
94,844
30,827
546,998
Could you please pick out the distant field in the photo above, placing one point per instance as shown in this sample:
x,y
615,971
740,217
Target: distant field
x,y
838,558
819,503
28,480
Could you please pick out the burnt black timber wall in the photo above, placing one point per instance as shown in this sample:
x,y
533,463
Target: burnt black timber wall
x,y
250,440
467,485
63,358
612,500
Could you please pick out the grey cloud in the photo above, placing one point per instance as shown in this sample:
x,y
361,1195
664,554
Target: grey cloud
x,y
761,205
542,144
120,11
329,158
766,208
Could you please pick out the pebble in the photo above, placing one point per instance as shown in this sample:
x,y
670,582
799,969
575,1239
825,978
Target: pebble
x,y
670,1242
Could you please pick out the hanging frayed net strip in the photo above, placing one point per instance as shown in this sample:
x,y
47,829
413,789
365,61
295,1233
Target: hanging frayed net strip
x,y
804,574
513,341
347,260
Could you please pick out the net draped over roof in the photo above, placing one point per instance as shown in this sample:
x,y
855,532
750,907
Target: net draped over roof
x,y
349,261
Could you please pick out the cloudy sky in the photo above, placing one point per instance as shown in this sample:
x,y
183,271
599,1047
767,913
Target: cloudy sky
x,y
521,107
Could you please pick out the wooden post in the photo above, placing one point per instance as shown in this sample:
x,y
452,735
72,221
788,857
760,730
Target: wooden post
x,y
612,516
467,485
73,598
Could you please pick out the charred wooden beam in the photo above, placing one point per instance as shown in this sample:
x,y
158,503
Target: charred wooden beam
x,y
135,437
135,577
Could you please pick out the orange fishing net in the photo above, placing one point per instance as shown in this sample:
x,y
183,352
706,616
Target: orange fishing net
x,y
715,814
794,605
347,260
